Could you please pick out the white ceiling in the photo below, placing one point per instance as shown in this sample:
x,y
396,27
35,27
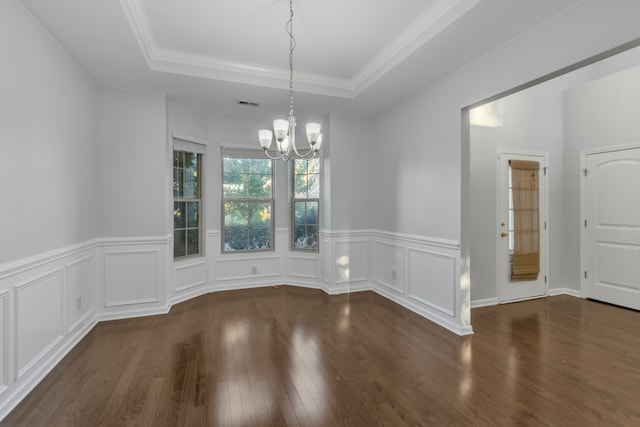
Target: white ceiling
x,y
352,56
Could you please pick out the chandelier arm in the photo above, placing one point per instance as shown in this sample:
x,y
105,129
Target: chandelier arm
x,y
307,155
266,153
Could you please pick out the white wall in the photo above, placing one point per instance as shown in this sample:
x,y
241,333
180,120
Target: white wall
x,y
47,141
350,174
132,169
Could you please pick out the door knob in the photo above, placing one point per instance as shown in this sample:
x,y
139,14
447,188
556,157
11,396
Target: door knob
x,y
503,234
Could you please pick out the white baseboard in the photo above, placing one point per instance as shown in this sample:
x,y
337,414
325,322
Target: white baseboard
x,y
552,292
565,291
484,302
422,311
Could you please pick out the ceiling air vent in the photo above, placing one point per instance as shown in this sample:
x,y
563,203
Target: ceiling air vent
x,y
248,103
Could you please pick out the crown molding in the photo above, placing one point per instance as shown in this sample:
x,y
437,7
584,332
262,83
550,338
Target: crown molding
x,y
437,18
440,16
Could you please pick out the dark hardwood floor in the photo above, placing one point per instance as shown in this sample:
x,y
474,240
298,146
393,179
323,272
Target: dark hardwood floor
x,y
288,356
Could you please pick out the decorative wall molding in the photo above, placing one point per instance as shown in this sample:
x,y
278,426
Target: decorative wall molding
x,y
36,336
190,274
303,267
240,268
129,270
431,279
388,274
23,265
453,245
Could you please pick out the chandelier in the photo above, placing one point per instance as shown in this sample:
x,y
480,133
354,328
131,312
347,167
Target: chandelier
x,y
285,130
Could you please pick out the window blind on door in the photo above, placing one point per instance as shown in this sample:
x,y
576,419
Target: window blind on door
x,y
526,250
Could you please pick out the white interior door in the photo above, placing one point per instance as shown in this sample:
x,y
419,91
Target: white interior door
x,y
508,289
612,268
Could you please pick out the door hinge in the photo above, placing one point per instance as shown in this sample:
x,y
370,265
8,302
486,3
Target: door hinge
x,y
585,171
585,274
545,170
545,279
585,223
545,225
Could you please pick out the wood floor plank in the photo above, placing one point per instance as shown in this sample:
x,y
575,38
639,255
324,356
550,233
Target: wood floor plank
x,y
287,356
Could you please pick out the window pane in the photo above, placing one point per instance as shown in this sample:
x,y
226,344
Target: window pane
x,y
236,238
192,241
191,189
259,186
193,212
259,166
235,185
313,166
179,215
313,183
312,213
232,165
299,212
306,237
301,188
179,243
236,213
260,213
259,238
178,159
178,184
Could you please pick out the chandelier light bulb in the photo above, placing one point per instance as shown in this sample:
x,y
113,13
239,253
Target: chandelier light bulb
x,y
265,136
313,131
281,129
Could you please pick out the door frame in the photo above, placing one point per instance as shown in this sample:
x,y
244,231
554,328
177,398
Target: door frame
x,y
584,208
501,262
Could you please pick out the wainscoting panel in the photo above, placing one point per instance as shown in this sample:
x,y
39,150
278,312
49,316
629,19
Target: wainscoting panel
x,y
4,341
351,261
387,265
38,319
80,290
303,267
190,275
131,277
231,267
432,280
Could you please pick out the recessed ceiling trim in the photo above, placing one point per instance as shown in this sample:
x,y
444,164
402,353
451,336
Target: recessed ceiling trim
x,y
427,26
432,22
172,61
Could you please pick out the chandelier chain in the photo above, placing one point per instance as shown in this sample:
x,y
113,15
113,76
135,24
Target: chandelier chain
x,y
292,46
